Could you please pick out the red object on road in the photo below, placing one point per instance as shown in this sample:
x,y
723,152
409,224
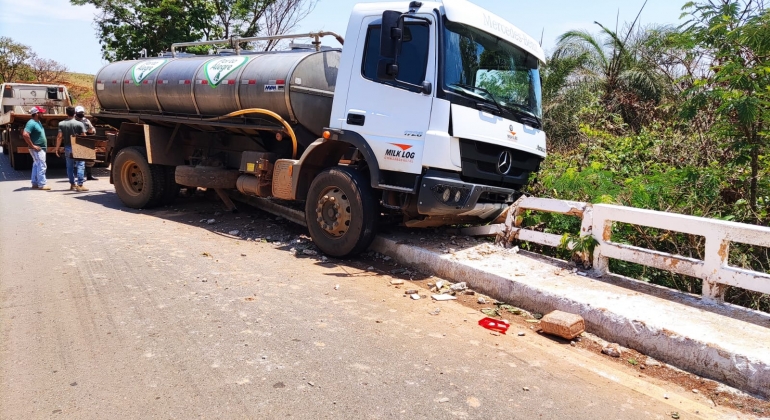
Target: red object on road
x,y
499,325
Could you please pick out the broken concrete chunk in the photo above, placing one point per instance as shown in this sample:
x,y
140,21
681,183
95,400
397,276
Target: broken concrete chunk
x,y
563,324
415,296
411,292
309,252
211,221
459,287
235,232
482,301
612,350
652,362
396,282
443,297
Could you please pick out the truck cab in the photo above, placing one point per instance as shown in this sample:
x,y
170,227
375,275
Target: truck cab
x,y
451,111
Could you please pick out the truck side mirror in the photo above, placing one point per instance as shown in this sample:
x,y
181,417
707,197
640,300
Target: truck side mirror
x,y
391,34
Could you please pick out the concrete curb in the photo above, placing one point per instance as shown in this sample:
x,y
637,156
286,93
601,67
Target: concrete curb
x,y
737,354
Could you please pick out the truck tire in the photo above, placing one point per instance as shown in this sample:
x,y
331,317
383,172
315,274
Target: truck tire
x,y
171,191
341,212
206,176
21,161
138,184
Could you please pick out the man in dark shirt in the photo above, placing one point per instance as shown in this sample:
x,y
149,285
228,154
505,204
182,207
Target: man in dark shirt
x,y
68,128
80,115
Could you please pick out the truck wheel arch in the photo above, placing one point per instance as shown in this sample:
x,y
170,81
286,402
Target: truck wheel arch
x,y
323,154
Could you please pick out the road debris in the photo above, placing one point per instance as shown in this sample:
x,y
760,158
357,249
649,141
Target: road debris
x,y
435,311
411,292
498,325
309,252
396,282
612,350
337,287
490,312
526,388
235,232
563,324
522,333
443,400
415,296
211,221
442,298
459,287
481,301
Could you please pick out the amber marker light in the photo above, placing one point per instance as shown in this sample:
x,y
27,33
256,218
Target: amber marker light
x,y
327,135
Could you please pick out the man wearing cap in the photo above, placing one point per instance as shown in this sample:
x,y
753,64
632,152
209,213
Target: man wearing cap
x,y
68,128
34,135
80,115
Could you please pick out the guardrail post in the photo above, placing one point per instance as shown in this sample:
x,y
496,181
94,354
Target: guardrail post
x,y
602,231
716,256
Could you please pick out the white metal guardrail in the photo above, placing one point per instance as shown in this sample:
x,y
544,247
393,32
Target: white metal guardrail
x,y
598,219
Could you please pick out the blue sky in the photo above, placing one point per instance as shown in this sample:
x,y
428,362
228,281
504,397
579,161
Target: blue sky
x,y
57,30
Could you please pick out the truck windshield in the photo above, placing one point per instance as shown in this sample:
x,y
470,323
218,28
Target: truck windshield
x,y
487,68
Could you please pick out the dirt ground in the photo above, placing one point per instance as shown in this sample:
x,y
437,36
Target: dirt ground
x,y
288,236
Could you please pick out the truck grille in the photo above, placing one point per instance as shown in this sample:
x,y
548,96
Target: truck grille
x,y
480,165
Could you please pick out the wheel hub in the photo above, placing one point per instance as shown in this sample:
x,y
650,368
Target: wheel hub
x,y
132,178
333,212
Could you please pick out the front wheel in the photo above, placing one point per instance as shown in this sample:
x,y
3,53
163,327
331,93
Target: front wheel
x,y
341,212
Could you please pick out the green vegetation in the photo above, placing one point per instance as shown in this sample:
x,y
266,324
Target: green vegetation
x,y
126,27
669,119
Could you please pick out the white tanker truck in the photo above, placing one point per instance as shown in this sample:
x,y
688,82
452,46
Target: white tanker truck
x,y
431,111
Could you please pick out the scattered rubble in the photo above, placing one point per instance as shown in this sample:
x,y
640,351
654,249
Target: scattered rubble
x,y
211,221
612,350
563,324
235,232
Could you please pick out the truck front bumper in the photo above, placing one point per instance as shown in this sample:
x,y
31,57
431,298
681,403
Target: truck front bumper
x,y
443,193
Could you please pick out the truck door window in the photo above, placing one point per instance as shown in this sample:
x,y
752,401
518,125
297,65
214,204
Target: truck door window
x,y
412,60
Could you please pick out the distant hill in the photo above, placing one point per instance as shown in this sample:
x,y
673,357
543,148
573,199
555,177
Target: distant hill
x,y
81,88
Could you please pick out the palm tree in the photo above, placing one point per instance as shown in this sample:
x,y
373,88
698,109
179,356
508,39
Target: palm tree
x,y
613,66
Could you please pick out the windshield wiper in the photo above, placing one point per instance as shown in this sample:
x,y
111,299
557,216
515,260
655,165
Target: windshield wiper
x,y
524,115
484,91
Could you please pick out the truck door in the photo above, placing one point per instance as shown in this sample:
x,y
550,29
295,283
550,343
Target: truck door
x,y
393,119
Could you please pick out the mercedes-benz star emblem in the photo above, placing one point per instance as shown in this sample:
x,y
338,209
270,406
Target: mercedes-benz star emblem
x,y
504,163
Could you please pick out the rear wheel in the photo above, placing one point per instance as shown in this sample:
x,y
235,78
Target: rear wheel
x,y
21,161
341,212
138,184
171,190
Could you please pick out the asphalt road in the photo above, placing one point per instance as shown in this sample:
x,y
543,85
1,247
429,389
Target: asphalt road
x,y
107,312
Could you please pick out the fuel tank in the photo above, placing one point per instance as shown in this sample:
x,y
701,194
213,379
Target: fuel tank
x,y
298,85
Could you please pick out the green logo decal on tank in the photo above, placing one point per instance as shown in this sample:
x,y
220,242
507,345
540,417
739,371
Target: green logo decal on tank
x,y
144,69
217,69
